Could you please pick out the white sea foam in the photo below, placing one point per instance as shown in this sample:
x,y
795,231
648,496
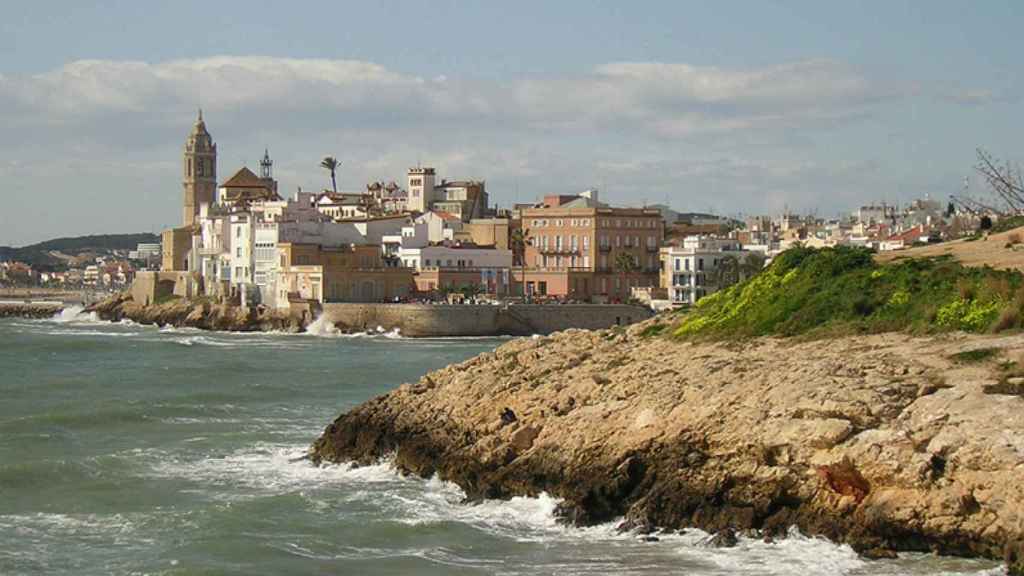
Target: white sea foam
x,y
75,314
322,327
276,469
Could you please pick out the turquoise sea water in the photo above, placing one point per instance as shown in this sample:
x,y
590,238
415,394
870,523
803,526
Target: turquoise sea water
x,y
132,450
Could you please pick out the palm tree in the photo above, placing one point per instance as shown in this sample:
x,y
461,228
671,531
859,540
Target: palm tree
x,y
332,164
728,272
518,242
752,265
624,264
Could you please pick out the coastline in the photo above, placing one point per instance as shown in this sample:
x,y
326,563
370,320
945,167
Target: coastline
x,y
882,442
409,320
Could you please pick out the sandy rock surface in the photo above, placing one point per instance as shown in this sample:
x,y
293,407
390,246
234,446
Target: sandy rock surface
x,y
886,441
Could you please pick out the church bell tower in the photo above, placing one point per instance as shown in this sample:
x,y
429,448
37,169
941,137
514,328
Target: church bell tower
x,y
200,180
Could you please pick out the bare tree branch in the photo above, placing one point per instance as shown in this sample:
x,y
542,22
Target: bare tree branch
x,y
1006,180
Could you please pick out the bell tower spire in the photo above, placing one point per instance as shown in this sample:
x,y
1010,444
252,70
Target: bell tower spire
x,y
266,166
200,164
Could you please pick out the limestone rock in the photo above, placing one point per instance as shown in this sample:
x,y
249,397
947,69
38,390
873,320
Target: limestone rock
x,y
879,441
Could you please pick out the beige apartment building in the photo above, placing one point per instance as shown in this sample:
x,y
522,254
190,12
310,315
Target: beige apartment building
x,y
574,252
353,273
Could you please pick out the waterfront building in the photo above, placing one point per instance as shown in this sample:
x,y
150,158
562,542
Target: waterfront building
x,y
310,273
577,248
703,265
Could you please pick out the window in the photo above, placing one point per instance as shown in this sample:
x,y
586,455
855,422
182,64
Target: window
x,y
677,267
700,264
238,252
687,262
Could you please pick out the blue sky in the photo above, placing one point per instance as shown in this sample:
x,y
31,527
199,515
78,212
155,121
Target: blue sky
x,y
738,107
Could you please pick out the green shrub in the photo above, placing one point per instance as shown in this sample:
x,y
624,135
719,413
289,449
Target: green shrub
x,y
843,290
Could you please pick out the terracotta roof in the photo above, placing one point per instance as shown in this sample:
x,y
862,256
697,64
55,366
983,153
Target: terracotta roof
x,y
245,178
446,215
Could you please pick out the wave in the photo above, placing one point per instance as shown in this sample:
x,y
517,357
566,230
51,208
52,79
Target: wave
x,y
75,314
435,505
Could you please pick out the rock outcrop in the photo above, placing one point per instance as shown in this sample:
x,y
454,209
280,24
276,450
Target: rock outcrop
x,y
30,310
886,442
197,314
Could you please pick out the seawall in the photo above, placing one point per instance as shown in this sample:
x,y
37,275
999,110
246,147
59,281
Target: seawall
x,y
421,320
29,309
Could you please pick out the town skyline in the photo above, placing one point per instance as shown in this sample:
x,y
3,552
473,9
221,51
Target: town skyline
x,y
657,112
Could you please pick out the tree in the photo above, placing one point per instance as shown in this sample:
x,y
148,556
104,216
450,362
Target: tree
x,y
752,265
1005,180
518,242
728,272
331,164
624,264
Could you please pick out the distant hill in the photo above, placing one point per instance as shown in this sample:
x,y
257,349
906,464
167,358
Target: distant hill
x,y
38,254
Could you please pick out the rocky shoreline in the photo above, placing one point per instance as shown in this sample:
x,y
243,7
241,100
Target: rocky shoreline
x,y
30,310
202,314
887,442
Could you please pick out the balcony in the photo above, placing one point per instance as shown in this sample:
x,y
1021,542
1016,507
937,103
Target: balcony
x,y
558,250
653,249
210,250
604,248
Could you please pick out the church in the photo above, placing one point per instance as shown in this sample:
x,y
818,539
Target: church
x,y
201,193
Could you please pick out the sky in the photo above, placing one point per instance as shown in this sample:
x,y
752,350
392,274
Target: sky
x,y
730,107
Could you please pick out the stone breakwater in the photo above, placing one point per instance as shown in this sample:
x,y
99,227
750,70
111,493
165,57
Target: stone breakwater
x,y
886,442
30,310
196,314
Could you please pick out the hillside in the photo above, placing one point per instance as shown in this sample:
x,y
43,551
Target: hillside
x,y
1003,250
843,290
39,254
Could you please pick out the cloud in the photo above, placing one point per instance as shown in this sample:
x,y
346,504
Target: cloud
x,y
105,136
670,99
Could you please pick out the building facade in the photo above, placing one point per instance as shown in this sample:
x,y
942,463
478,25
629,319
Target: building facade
x,y
589,252
310,273
701,266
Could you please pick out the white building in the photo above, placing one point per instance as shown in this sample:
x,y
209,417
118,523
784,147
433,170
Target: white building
x,y
450,257
691,271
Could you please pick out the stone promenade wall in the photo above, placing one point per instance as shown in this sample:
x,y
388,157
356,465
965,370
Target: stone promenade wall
x,y
464,320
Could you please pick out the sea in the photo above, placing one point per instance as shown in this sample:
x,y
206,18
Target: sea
x,y
128,449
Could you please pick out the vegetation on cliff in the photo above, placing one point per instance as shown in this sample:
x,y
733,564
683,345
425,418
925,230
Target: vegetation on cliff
x,y
844,290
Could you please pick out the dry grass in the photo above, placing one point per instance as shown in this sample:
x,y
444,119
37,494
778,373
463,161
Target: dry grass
x,y
986,251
